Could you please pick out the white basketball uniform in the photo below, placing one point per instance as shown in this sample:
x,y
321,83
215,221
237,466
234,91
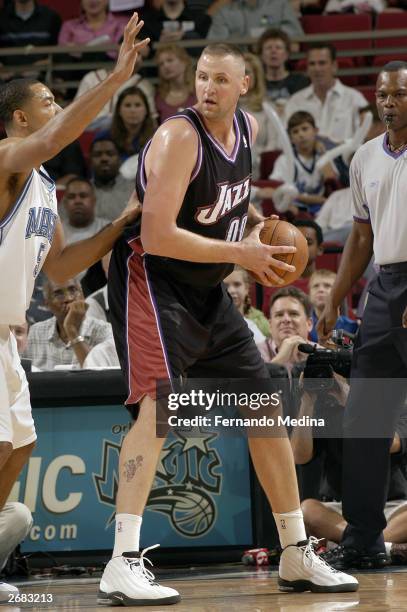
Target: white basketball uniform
x,y
26,234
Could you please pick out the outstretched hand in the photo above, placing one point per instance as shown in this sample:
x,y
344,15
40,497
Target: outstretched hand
x,y
129,49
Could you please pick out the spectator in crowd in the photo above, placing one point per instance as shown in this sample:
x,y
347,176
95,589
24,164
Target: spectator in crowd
x,y
176,84
67,164
111,189
98,304
324,519
94,77
68,336
79,202
314,237
334,106
26,23
132,123
273,48
21,335
95,25
174,20
309,180
238,286
251,17
15,524
255,103
335,217
37,310
290,325
320,284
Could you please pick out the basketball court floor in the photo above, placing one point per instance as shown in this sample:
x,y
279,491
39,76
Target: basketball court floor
x,y
226,588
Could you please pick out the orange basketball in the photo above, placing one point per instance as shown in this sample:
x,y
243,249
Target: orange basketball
x,y
282,233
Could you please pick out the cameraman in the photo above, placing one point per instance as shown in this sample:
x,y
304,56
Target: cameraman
x,y
324,519
290,325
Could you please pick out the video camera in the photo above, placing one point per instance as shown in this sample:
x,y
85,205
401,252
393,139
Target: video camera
x,y
322,363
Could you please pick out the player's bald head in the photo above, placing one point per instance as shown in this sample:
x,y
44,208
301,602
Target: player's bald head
x,y
221,51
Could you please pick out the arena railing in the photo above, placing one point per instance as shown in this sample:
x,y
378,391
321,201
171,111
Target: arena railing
x,y
51,66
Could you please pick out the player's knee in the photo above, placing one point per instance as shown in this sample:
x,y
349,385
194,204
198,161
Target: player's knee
x,y
6,448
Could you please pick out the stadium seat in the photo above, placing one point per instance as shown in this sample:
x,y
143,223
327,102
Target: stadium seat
x,y
267,205
267,161
67,10
85,140
391,21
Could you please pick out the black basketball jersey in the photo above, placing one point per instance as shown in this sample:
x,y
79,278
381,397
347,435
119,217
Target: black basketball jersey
x,y
216,201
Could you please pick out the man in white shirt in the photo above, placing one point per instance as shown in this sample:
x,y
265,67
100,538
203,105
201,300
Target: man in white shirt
x,y
378,175
334,106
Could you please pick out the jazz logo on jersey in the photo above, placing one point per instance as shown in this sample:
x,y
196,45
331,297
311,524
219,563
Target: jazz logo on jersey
x,y
229,196
41,222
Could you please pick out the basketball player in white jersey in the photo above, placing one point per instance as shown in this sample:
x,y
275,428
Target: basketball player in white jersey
x,y
31,235
378,176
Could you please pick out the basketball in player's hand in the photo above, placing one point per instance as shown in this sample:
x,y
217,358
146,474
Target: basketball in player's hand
x,y
281,233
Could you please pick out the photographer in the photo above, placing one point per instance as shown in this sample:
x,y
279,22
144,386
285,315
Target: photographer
x,y
323,519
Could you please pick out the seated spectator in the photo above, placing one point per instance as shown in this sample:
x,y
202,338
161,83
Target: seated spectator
x,y
68,164
240,18
98,304
254,102
320,284
93,78
24,23
273,48
335,217
102,355
314,237
37,310
334,106
290,325
112,190
174,20
324,519
79,202
95,26
238,286
132,123
21,335
308,179
68,336
15,525
176,83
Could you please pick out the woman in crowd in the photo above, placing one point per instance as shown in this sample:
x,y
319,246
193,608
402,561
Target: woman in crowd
x,y
238,286
132,123
256,104
176,88
95,25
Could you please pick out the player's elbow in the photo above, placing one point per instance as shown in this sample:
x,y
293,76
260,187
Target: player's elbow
x,y
156,238
301,454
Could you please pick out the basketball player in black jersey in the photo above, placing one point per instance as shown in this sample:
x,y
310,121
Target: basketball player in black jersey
x,y
172,316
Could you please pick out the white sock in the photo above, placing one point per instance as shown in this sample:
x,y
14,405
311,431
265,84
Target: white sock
x,y
388,546
127,533
290,526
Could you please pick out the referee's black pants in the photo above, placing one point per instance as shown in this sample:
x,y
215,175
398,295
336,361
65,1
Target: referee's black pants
x,y
373,408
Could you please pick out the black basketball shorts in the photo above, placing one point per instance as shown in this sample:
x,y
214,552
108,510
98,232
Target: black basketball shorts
x,y
164,329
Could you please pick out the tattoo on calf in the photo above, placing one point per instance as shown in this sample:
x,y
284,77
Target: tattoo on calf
x,y
131,466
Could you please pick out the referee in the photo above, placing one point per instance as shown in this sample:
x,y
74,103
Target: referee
x,y
378,177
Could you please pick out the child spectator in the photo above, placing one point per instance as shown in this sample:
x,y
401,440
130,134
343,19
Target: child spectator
x,y
320,284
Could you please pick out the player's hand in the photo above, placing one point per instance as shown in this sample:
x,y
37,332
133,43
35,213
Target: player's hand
x,y
258,258
129,49
326,322
74,317
404,318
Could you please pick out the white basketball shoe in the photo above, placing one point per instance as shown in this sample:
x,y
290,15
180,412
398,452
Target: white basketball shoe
x,y
127,582
301,569
7,591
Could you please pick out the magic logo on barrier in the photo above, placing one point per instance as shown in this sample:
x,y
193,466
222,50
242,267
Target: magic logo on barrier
x,y
188,477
